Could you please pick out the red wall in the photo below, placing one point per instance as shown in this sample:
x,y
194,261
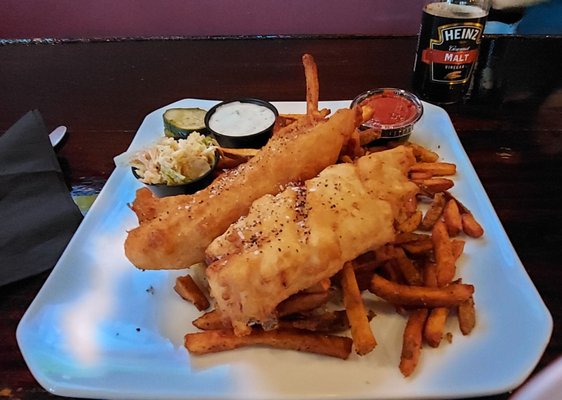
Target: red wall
x,y
25,19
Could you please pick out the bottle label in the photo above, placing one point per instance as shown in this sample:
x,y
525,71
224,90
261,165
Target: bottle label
x,y
452,55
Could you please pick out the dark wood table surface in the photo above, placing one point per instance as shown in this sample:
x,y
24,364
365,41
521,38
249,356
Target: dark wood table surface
x,y
101,91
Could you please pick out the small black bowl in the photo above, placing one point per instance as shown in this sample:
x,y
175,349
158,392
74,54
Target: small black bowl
x,y
195,185
253,139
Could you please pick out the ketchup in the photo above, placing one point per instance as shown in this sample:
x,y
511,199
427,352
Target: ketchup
x,y
390,110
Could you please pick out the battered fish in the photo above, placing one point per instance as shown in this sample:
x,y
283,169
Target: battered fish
x,y
294,239
175,231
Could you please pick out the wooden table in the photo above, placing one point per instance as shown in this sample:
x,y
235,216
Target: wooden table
x,y
102,90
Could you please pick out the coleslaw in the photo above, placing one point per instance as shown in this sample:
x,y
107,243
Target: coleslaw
x,y
175,162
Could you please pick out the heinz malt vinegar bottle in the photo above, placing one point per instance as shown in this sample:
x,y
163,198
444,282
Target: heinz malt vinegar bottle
x,y
448,46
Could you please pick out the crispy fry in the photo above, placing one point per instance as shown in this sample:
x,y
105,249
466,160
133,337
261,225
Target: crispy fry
x,y
430,274
335,321
443,254
435,325
435,168
420,296
365,261
420,176
210,321
434,185
290,116
411,223
244,154
363,337
409,237
302,302
434,213
412,341
467,316
423,154
409,271
364,267
384,253
187,288
312,85
470,226
418,247
390,269
457,246
452,217
222,340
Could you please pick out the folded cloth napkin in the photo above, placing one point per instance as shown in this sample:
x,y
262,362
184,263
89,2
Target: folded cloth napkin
x,y
37,214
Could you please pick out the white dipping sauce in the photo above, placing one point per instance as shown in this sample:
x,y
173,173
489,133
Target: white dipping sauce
x,y
241,119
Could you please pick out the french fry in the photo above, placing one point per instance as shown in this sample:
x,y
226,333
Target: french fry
x,y
334,321
210,321
445,261
435,325
302,302
384,253
452,217
434,185
293,116
312,85
226,163
412,341
244,154
423,154
430,274
411,223
420,296
434,213
187,288
418,247
435,168
291,339
409,237
466,315
470,226
390,269
364,266
420,176
457,246
409,271
363,338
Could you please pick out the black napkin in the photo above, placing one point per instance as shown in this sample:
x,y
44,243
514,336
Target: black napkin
x,y
37,214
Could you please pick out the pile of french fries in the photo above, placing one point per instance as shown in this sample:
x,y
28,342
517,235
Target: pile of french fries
x,y
416,274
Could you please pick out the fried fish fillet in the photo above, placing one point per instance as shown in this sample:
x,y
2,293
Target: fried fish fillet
x,y
292,240
174,232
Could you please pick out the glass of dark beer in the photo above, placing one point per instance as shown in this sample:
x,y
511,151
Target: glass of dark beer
x,y
447,50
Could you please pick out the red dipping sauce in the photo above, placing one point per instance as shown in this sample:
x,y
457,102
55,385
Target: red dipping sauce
x,y
395,111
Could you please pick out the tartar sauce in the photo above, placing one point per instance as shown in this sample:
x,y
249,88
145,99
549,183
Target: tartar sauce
x,y
241,119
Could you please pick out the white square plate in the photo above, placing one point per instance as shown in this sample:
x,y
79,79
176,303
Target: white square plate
x,y
101,328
